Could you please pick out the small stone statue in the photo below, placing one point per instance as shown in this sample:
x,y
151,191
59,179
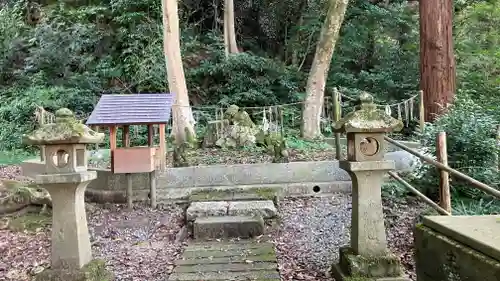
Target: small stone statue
x,y
181,150
179,155
276,146
238,129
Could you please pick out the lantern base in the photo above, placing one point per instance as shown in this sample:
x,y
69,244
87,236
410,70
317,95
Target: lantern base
x,y
356,267
93,271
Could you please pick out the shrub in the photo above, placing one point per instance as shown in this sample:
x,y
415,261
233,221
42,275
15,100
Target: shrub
x,y
246,80
472,147
17,112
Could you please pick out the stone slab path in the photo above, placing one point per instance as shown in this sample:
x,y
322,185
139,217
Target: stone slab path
x,y
228,260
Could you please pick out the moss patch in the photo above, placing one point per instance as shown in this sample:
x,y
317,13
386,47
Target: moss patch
x,y
263,193
93,271
30,222
359,266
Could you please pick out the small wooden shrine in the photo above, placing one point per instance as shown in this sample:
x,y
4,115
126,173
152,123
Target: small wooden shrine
x,y
115,111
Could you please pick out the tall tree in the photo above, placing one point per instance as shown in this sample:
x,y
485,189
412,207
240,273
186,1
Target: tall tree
x,y
231,47
319,70
182,115
437,60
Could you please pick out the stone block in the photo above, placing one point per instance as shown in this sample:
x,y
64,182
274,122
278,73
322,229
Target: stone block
x,y
235,194
263,208
93,271
356,265
440,257
339,275
252,174
477,232
206,209
228,226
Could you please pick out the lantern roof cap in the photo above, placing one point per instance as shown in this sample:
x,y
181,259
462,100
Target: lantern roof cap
x,y
66,130
367,119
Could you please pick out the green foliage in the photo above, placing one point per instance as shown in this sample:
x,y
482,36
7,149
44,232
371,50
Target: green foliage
x,y
294,142
394,190
377,51
478,57
471,141
483,206
13,157
17,113
246,80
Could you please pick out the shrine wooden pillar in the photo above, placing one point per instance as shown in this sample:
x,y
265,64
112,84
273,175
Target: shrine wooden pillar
x,y
152,175
112,145
163,147
128,176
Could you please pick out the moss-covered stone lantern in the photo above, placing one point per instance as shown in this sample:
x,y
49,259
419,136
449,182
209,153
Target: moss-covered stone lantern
x,y
365,129
65,178
367,255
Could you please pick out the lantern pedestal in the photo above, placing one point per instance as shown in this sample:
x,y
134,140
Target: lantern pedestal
x,y
367,258
367,219
70,235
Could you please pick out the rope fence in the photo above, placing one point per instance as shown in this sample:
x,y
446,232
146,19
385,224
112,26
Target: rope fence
x,y
288,115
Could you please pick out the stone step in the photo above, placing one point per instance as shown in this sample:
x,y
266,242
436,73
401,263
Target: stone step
x,y
227,227
235,194
268,275
249,259
263,208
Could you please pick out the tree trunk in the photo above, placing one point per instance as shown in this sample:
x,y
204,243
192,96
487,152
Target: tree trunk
x,y
182,116
437,60
319,70
230,44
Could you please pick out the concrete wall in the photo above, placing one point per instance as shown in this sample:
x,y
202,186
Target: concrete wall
x,y
441,258
294,179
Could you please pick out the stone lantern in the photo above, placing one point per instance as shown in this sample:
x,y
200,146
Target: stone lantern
x,y
367,256
65,178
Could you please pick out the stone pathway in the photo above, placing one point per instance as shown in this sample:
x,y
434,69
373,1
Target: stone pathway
x,y
248,259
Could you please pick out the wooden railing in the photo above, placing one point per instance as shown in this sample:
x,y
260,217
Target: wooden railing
x,y
444,206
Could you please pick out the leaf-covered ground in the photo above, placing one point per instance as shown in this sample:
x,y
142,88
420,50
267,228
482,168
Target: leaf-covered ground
x,y
313,229
136,245
143,244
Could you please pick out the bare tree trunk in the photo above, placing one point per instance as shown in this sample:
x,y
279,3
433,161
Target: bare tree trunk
x,y
319,70
230,44
181,111
437,60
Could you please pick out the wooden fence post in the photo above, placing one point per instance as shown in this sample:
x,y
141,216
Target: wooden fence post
x,y
444,177
336,117
96,129
421,112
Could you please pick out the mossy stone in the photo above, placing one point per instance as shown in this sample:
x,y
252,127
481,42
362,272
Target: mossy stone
x,y
367,118
369,267
93,271
261,193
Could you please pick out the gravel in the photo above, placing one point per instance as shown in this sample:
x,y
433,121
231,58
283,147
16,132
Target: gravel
x,y
313,229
